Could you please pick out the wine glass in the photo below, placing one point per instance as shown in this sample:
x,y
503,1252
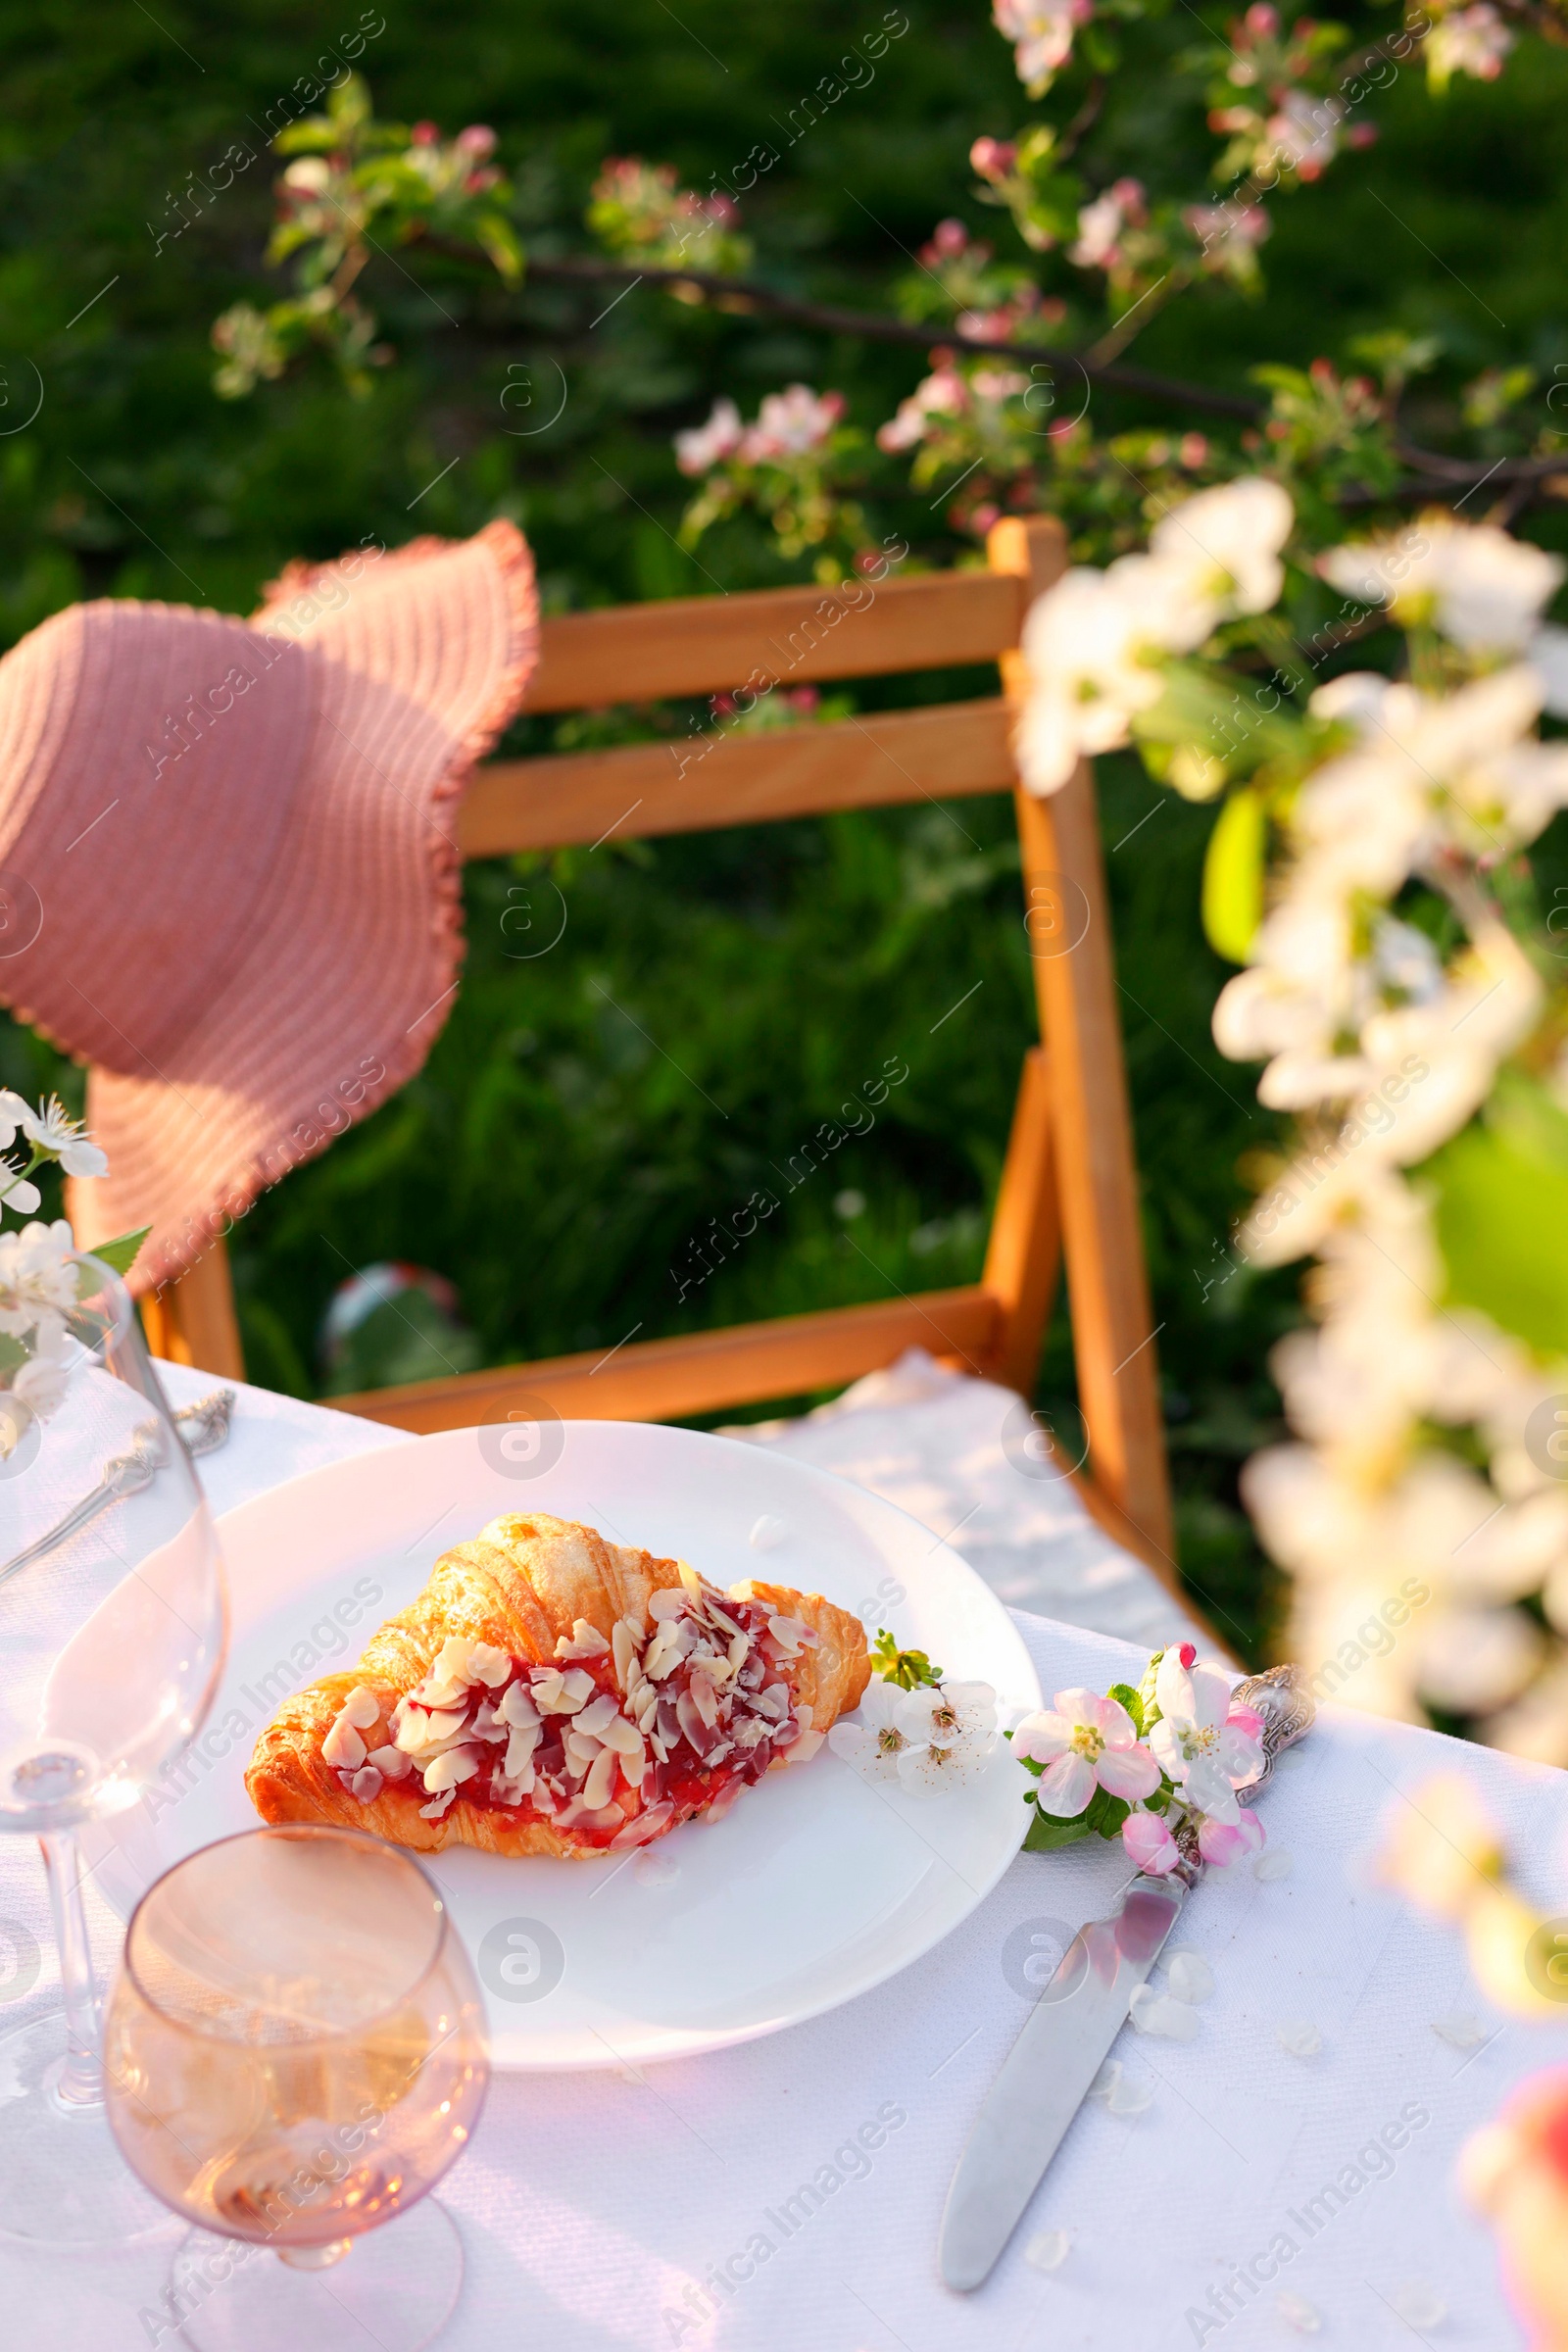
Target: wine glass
x,y
113,1626
295,2052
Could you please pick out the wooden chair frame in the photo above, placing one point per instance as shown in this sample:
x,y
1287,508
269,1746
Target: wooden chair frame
x,y
1068,1185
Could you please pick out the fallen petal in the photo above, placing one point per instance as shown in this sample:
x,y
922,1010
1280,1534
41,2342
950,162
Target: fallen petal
x,y
1276,1863
1296,2312
1156,2013
1130,2098
1301,2037
1190,1977
1048,2251
1460,2029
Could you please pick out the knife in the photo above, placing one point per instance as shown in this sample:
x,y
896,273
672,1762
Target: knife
x,y
1074,2022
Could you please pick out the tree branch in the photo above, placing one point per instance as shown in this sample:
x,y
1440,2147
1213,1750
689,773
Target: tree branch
x,y
1432,474
743,294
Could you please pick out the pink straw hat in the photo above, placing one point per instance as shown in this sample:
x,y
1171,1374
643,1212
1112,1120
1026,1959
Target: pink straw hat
x,y
228,867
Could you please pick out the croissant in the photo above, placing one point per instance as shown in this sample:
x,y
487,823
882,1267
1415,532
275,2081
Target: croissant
x,y
551,1693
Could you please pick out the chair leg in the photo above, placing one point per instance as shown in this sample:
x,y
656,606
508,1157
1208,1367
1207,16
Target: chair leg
x,y
1024,1252
192,1321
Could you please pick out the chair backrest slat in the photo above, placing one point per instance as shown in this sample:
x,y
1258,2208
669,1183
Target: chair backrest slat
x,y
1071,1142
710,779
791,636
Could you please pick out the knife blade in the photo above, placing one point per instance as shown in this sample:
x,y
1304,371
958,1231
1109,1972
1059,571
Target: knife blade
x,y
1047,2072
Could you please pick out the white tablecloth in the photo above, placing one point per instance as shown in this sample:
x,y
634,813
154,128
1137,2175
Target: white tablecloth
x,y
787,2194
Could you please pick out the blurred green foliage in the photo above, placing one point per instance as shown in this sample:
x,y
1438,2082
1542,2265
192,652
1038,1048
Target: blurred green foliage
x,y
710,1002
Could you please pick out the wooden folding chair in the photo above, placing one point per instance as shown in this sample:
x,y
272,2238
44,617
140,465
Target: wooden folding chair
x,y
1068,1181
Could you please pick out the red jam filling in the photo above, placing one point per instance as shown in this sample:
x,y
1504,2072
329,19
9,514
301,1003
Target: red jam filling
x,y
711,1722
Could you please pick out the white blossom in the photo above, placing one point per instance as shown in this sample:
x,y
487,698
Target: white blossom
x,y
706,446
51,1130
1472,40
1477,585
1041,32
1225,543
871,1739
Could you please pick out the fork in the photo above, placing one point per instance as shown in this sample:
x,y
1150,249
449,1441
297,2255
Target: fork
x,y
207,1420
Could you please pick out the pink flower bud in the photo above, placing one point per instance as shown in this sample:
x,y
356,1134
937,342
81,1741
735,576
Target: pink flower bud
x,y
478,139
993,159
1224,1842
950,237
425,134
1149,1844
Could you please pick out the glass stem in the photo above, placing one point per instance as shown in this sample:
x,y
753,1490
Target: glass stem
x,y
82,2081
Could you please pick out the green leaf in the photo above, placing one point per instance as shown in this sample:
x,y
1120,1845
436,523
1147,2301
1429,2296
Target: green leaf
x,y
120,1255
499,242
1126,1697
1105,1813
908,1668
1232,875
1047,1833
1502,1190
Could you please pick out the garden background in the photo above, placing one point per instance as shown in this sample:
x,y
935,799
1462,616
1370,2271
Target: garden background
x,y
709,1001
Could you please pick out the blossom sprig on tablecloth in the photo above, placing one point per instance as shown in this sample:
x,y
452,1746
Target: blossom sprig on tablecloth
x,y
1160,1766
917,1728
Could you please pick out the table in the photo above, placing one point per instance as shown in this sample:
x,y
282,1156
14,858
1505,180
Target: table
x,y
787,2193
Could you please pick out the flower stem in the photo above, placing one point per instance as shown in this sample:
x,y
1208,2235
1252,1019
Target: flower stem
x,y
21,1175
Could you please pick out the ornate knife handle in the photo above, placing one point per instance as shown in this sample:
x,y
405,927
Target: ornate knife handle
x,y
1284,1699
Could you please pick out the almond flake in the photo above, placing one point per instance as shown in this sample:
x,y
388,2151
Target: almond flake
x,y
452,1662
343,1747
434,1811
515,1706
623,1641
433,1693
362,1707
488,1665
661,1654
599,1783
666,1604
585,1640
458,1764
595,1716
647,1825
703,1697
367,1783
390,1762
581,1752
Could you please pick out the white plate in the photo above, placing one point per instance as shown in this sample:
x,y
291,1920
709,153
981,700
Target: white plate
x,y
814,1888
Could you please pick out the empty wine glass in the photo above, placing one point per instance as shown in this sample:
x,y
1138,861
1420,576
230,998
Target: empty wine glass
x,y
113,1624
295,2052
